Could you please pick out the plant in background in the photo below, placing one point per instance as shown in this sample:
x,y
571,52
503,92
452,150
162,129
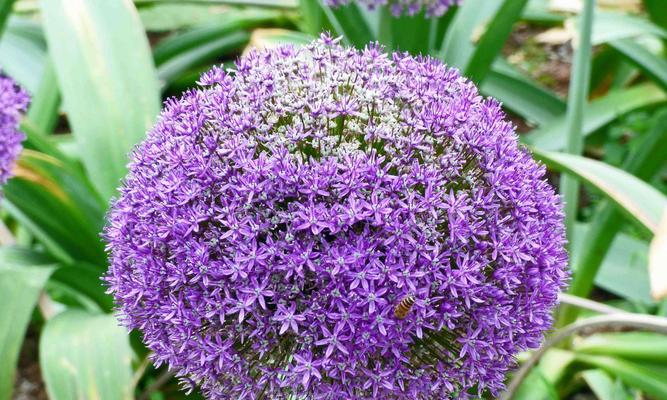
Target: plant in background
x,y
432,8
13,102
55,206
301,225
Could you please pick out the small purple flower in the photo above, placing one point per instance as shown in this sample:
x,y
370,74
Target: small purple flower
x,y
307,368
288,319
333,340
433,8
275,217
13,102
258,292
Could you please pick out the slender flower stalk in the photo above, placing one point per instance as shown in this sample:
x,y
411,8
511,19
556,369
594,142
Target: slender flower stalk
x,y
276,216
432,8
13,102
577,99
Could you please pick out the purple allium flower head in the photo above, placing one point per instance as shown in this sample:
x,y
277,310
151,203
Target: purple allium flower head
x,y
432,8
276,216
13,102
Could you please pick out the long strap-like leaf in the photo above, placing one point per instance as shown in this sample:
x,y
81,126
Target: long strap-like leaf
x,y
21,280
5,10
608,220
577,98
493,40
107,78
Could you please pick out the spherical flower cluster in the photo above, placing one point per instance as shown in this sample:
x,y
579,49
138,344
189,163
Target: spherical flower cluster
x,y
13,102
432,8
275,217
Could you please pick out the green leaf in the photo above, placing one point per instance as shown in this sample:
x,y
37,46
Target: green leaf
x,y
22,257
347,21
636,198
42,236
36,139
166,17
289,4
180,53
171,69
652,65
611,26
656,11
21,280
188,79
647,379
598,114
80,278
539,12
522,95
42,185
85,280
493,40
107,78
86,356
536,387
604,387
623,270
224,25
470,19
314,20
28,28
555,363
393,31
22,54
439,30
604,69
5,10
355,27
643,163
45,103
636,346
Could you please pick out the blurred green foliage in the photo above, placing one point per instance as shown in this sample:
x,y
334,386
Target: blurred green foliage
x,y
132,55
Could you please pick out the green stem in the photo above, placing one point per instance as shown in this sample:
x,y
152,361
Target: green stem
x,y
577,96
601,323
433,34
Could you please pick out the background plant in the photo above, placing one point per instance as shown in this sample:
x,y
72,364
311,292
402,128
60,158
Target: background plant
x,y
121,58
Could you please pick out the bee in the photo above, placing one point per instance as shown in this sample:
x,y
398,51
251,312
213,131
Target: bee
x,y
403,308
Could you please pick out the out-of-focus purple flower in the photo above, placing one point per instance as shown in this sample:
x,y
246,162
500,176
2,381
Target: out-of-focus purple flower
x,y
432,8
13,102
276,216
